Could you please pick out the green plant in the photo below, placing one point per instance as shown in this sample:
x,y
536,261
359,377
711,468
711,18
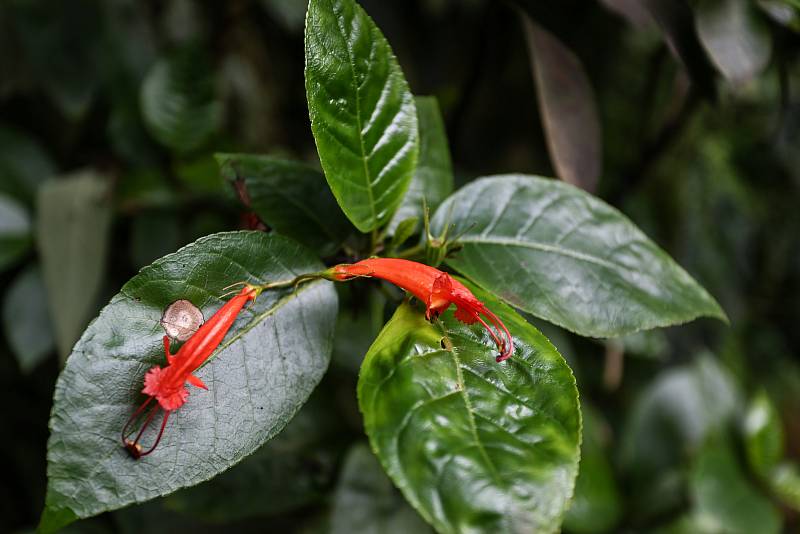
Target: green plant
x,y
473,441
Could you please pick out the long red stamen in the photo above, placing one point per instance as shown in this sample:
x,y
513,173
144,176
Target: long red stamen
x,y
160,433
133,417
507,347
133,447
500,344
145,425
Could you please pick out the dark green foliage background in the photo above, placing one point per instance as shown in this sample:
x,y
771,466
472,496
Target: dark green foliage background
x,y
706,165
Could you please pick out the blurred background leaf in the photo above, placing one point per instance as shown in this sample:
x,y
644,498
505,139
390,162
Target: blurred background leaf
x,y
724,500
179,99
73,230
596,505
366,501
433,179
676,21
763,435
26,319
23,165
674,415
15,231
566,105
735,37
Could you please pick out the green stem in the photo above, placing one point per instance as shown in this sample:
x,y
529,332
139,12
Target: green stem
x,y
412,252
374,242
294,282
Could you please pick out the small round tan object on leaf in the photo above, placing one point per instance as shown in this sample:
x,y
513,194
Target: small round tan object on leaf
x,y
181,319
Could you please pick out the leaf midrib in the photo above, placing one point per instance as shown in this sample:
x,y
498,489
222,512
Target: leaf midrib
x,y
471,418
359,121
542,247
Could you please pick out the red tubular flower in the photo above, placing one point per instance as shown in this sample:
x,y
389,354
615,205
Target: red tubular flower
x,y
435,288
167,384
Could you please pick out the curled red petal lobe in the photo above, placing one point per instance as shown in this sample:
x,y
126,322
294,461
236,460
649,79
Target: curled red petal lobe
x,y
465,315
195,381
469,310
169,393
152,381
441,295
174,399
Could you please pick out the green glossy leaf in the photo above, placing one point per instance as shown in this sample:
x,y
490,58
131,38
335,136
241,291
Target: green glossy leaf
x,y
596,506
675,414
724,499
735,37
26,320
566,105
290,197
763,435
473,445
292,470
73,228
433,179
366,502
23,165
179,100
362,112
15,231
563,255
275,354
